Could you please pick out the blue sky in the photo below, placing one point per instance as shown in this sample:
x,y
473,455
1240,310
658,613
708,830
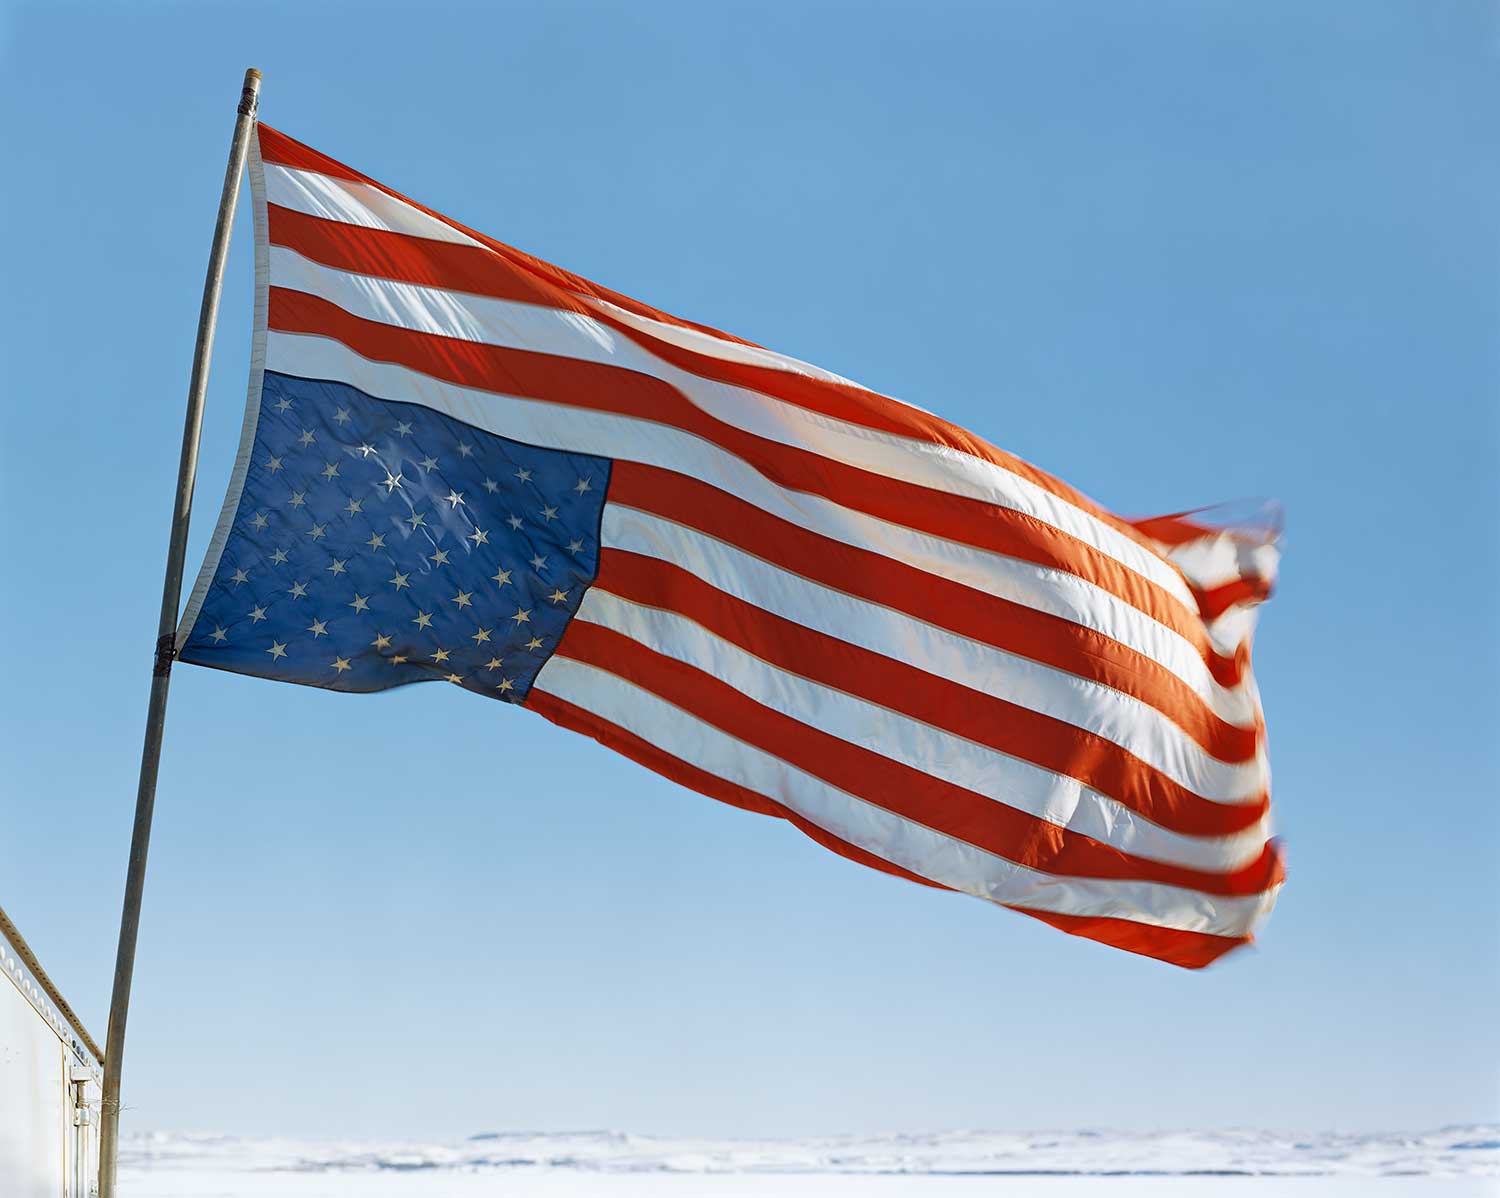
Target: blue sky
x,y
1177,253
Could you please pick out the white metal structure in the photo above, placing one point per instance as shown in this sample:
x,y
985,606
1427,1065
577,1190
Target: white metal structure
x,y
50,1078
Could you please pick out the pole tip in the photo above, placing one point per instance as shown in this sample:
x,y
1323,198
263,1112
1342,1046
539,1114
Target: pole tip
x,y
250,93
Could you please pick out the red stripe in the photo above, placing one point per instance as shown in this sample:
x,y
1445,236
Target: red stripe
x,y
854,404
413,260
576,383
1051,743
1214,602
910,793
612,736
277,147
1176,529
1180,528
1191,950
1013,627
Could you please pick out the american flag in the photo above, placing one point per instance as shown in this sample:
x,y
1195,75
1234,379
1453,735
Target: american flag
x,y
462,464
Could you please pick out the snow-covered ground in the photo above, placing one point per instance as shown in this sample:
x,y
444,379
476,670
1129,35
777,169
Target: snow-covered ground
x,y
1455,1162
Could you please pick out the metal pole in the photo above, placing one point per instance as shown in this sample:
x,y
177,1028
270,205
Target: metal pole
x,y
161,672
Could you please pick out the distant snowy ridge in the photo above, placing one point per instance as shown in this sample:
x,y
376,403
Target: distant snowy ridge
x,y
1471,1151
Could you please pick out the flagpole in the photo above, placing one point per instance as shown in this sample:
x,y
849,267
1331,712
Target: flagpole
x,y
161,671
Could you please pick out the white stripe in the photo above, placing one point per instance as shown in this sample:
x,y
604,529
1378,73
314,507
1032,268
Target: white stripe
x,y
1019,784
1233,628
701,342
902,842
1122,719
541,329
1217,559
581,430
351,203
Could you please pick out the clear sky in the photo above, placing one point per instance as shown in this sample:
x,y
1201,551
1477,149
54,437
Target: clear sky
x,y
1174,252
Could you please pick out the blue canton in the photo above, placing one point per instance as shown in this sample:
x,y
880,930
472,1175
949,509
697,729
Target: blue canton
x,y
379,543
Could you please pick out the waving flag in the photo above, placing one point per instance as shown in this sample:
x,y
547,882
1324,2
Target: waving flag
x,y
462,464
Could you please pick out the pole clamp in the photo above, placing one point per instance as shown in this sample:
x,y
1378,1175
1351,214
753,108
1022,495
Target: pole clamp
x,y
166,652
249,101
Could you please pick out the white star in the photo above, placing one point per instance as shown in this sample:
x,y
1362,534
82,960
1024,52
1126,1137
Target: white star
x,y
338,566
522,616
277,650
307,438
549,514
355,505
454,498
423,620
400,580
534,643
257,614
381,641
318,628
523,475
298,498
318,531
416,520
342,416
217,634
515,522
558,596
502,577
455,678
440,558
391,482
492,664
440,656
259,521
330,471
284,406
403,429
539,563
575,546
481,636
465,449
428,464
479,536
376,541
462,599
273,464
239,577
365,450
361,603
339,663
504,684
279,557
491,485
583,485
298,590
